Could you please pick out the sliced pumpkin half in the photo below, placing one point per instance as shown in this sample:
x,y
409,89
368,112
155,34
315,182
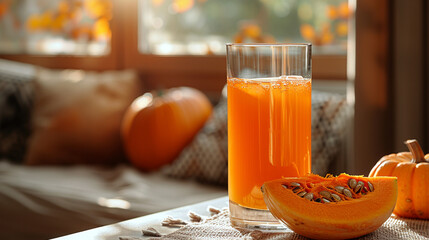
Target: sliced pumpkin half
x,y
339,207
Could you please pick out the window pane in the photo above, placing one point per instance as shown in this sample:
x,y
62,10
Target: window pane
x,y
202,27
72,27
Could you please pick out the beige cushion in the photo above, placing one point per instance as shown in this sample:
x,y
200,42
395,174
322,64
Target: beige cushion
x,y
77,116
42,202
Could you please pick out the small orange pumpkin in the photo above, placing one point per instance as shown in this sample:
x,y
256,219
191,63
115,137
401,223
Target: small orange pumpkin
x,y
156,128
412,170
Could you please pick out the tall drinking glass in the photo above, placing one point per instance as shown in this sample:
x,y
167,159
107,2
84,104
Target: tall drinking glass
x,y
269,124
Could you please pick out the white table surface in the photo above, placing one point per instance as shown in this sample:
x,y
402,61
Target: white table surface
x,y
133,227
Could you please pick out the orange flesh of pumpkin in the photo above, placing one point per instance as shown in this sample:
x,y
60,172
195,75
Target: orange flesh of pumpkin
x,y
348,218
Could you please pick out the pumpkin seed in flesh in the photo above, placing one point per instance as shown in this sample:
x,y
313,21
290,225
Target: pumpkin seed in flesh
x,y
352,183
309,196
325,194
295,184
339,189
348,193
371,187
335,197
366,189
296,189
324,200
358,187
301,194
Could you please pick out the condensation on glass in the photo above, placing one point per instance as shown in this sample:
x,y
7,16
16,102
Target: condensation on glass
x,y
52,27
202,27
269,124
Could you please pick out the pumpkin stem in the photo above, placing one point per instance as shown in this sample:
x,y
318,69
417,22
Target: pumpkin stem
x,y
416,151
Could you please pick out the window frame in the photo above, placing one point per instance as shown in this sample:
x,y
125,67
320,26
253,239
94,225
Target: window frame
x,y
327,67
198,71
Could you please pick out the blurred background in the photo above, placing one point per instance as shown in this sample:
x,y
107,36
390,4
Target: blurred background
x,y
370,78
165,27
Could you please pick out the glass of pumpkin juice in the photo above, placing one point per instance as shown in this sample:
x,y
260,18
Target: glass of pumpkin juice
x,y
269,124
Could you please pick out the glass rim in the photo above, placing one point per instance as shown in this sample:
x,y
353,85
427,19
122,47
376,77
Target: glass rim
x,y
269,44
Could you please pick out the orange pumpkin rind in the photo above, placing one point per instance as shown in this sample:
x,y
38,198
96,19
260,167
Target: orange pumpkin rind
x,y
412,170
348,218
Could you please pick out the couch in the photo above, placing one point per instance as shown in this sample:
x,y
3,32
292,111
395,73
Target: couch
x,y
63,189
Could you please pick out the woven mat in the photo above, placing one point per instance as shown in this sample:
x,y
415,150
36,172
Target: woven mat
x,y
219,227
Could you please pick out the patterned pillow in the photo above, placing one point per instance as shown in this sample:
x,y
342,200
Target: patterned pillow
x,y
16,102
329,117
206,157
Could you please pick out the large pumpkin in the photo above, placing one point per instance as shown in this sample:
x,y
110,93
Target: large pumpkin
x,y
412,170
156,127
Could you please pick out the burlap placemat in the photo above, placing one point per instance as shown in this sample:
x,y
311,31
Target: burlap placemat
x,y
218,227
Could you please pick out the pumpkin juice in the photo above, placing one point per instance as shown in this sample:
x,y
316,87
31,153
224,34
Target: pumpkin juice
x,y
269,134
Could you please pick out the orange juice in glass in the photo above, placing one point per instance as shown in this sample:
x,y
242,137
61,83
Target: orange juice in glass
x,y
269,124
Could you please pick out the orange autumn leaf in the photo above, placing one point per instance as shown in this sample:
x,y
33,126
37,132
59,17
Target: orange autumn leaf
x,y
46,19
181,6
308,32
81,31
342,29
38,22
251,30
101,29
33,23
331,12
99,8
58,22
268,39
63,7
323,37
343,10
326,38
3,8
77,4
326,35
326,27
238,38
